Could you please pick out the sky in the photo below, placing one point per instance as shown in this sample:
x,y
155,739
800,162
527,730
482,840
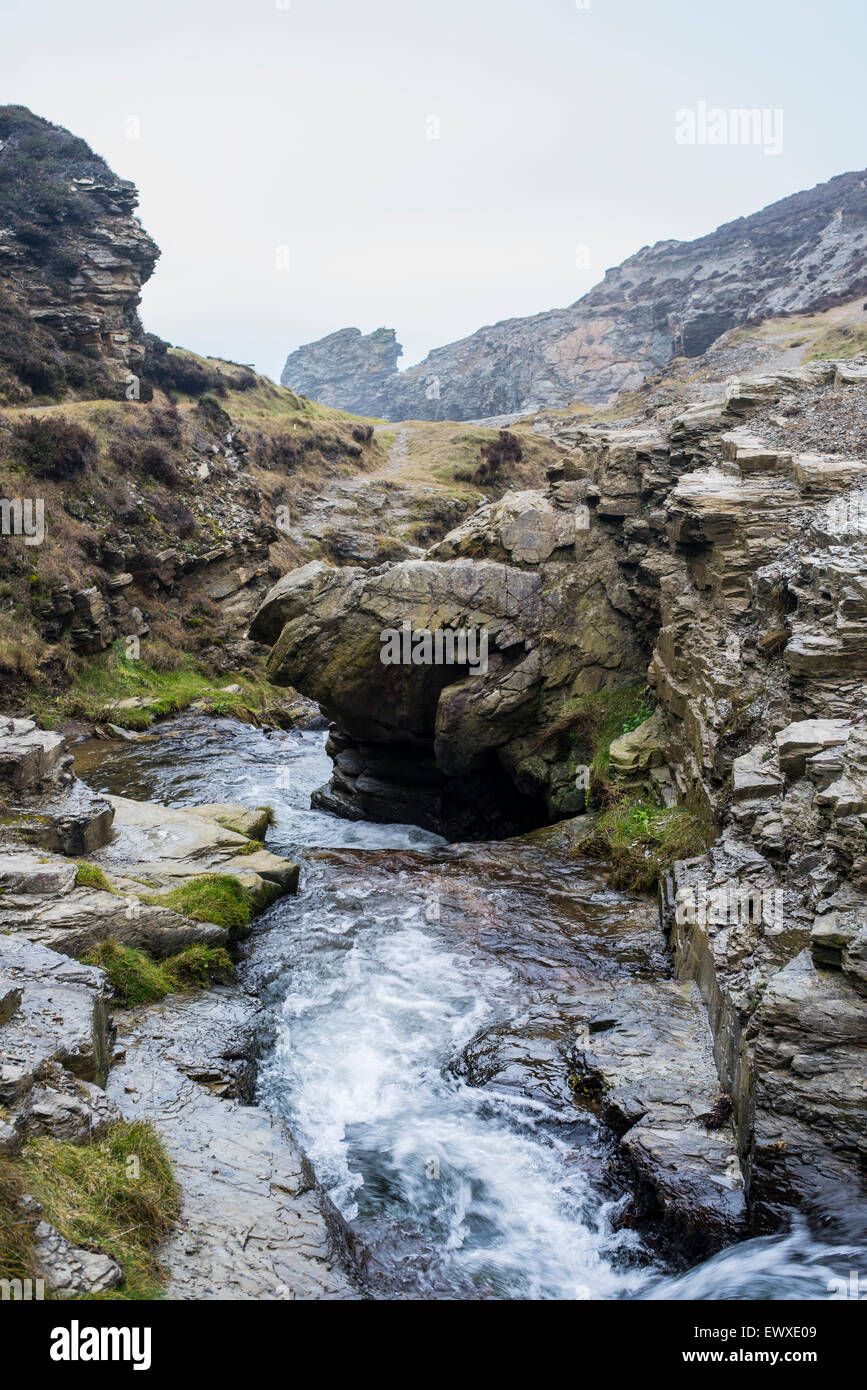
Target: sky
x,y
307,165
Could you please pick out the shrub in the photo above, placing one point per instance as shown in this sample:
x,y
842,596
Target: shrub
x,y
124,454
506,448
156,463
641,840
165,422
176,371
213,414
53,446
29,352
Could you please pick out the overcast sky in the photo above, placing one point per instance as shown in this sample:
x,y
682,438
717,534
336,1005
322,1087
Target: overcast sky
x,y
253,126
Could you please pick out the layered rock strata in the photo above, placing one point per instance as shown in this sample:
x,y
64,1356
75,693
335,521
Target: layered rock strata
x,y
723,555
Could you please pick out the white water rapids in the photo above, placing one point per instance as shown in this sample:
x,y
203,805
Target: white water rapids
x,y
397,953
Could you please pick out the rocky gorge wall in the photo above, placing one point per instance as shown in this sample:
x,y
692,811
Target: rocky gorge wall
x,y
714,545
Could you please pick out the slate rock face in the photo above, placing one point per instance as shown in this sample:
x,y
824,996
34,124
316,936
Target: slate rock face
x,y
255,1223
73,257
347,369
726,566
805,252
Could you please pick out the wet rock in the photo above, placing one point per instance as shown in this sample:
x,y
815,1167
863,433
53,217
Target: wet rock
x,y
654,1066
71,1272
41,903
28,755
63,1107
810,1049
76,822
255,1224
161,846
54,1047
43,804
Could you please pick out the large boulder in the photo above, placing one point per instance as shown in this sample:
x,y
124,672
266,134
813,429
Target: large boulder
x,y
461,747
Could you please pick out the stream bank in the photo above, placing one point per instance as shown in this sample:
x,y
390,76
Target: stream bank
x,y
427,1016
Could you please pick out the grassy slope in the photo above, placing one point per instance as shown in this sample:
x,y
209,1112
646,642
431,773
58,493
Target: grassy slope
x,y
293,448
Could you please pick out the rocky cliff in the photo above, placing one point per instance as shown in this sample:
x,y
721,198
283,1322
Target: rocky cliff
x,y
73,258
673,299
719,544
348,369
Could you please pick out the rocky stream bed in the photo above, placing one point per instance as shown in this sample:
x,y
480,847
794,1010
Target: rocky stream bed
x,y
445,1071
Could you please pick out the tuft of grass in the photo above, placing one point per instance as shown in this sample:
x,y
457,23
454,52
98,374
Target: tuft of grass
x,y
218,898
91,876
251,847
198,966
137,979
594,721
117,1194
641,840
16,1230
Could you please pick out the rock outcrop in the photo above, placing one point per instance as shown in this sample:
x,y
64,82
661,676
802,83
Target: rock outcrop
x,y
434,743
41,802
723,554
255,1223
145,848
348,369
673,299
73,258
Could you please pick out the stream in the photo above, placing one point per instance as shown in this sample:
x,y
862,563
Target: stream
x,y
422,998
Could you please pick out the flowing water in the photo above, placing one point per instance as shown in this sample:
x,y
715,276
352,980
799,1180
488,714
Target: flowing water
x,y
423,998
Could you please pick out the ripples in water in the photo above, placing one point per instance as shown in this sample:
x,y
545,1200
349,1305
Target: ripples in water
x,y
398,955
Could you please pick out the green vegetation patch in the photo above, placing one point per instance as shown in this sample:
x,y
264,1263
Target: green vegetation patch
x,y
595,721
16,1232
849,340
117,1194
641,840
114,676
92,876
137,979
219,898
